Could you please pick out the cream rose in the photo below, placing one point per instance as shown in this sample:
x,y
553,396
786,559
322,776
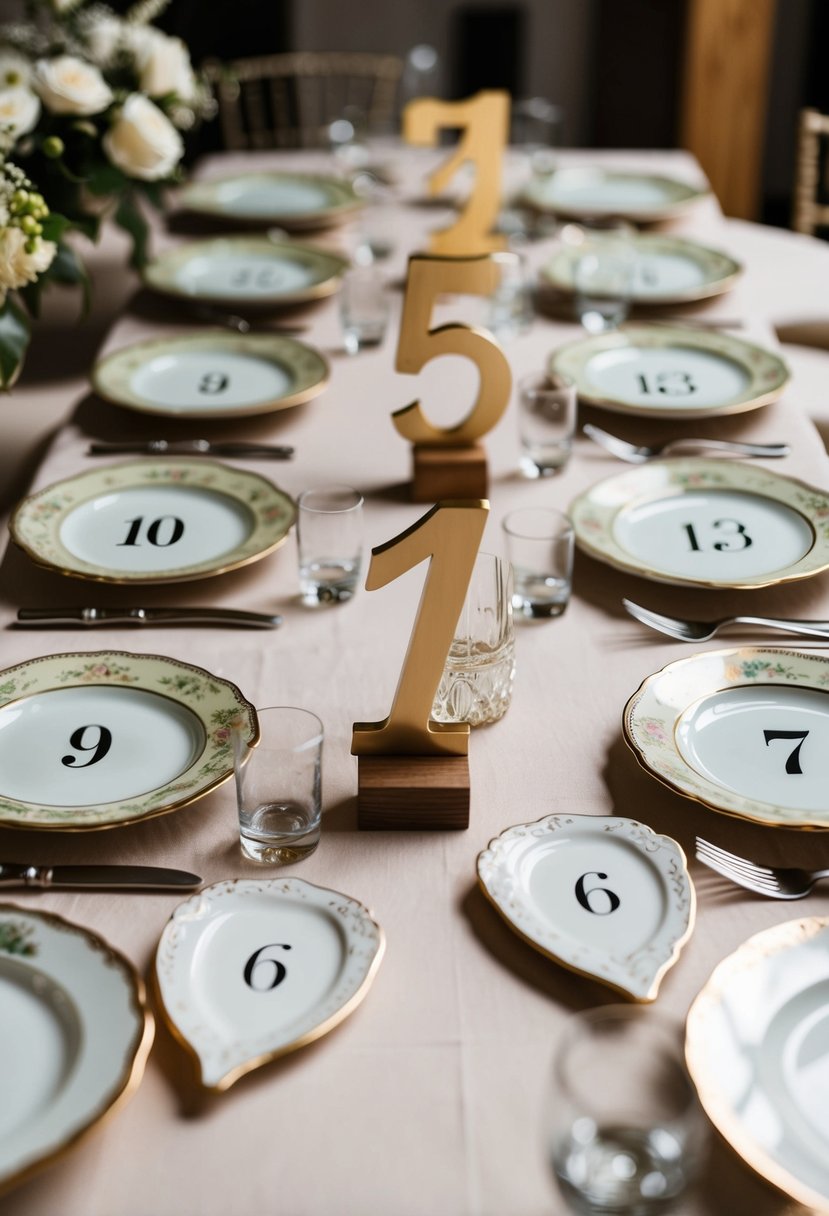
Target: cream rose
x,y
163,64
19,110
17,266
15,71
142,142
104,33
69,86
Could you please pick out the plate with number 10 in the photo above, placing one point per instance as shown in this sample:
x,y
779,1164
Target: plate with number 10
x,y
744,731
705,523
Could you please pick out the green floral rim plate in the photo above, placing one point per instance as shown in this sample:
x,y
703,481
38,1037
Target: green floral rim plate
x,y
705,523
582,192
292,200
102,738
153,521
668,270
212,374
250,271
743,731
662,371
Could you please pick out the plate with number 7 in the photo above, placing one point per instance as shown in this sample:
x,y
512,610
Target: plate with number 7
x,y
705,523
153,521
744,731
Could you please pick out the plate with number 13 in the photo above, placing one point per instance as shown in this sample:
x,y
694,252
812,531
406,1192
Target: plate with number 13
x,y
705,523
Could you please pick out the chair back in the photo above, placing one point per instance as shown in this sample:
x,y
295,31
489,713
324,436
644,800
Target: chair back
x,y
811,187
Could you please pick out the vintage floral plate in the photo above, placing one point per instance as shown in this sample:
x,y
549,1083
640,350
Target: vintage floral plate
x,y
667,270
76,1035
247,971
212,374
744,731
248,271
757,1047
103,738
705,523
153,521
603,896
665,371
590,191
291,200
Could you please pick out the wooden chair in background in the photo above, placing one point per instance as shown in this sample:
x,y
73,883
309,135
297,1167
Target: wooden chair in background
x,y
289,100
811,183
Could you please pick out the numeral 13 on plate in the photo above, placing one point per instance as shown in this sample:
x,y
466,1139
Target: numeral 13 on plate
x,y
484,121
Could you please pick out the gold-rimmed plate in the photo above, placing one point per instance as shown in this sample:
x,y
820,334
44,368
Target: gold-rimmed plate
x,y
76,1035
213,374
756,1047
663,371
247,971
667,270
591,192
744,731
102,738
250,272
153,521
295,201
694,522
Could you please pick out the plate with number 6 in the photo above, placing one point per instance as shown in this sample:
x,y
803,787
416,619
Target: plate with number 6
x,y
744,731
603,896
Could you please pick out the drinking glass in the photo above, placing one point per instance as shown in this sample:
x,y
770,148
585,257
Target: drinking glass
x,y
330,543
540,549
625,1133
546,423
364,308
476,685
279,786
535,128
603,266
511,304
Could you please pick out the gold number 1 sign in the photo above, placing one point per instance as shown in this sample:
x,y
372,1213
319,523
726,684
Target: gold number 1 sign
x,y
448,535
484,120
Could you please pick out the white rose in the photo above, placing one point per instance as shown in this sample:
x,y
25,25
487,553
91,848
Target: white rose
x,y
142,142
19,110
70,86
15,70
17,266
103,35
163,64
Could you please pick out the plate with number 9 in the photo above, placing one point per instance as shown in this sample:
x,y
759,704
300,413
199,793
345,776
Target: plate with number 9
x,y
604,896
705,523
744,731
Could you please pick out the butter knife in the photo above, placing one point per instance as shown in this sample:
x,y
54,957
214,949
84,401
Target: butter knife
x,y
132,878
191,447
33,617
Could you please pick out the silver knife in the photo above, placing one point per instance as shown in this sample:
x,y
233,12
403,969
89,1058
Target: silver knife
x,y
30,617
132,878
191,447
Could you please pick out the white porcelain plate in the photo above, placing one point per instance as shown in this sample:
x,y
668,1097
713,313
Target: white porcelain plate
x,y
663,371
106,737
212,374
745,731
585,192
251,271
153,521
76,1034
705,523
249,970
667,270
606,897
291,200
757,1047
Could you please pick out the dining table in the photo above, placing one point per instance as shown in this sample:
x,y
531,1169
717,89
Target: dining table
x,y
433,1096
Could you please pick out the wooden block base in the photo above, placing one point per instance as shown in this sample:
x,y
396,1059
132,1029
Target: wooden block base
x,y
413,793
449,473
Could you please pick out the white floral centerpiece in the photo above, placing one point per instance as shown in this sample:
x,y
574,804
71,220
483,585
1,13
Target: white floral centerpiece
x,y
92,109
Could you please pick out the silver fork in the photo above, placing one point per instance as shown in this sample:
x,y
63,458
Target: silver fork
x,y
639,454
701,631
777,882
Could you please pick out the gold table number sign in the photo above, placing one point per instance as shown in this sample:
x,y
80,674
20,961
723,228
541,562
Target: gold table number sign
x,y
461,472
413,772
484,120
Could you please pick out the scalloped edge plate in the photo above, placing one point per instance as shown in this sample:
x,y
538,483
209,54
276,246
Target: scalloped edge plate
x,y
216,942
505,874
204,198
550,194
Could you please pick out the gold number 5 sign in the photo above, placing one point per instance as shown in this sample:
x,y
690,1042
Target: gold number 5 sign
x,y
418,344
484,120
